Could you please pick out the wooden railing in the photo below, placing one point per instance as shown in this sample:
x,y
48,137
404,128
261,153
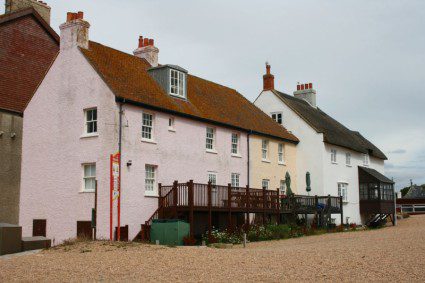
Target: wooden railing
x,y
198,195
310,204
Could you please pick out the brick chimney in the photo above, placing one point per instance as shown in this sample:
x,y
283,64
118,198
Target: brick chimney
x,y
41,7
74,32
306,92
268,79
147,50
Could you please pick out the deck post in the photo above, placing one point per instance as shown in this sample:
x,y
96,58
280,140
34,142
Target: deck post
x,y
159,200
209,209
175,196
264,205
191,198
229,206
247,208
316,209
340,208
278,207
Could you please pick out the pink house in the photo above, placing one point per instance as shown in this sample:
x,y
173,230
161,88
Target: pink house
x,y
168,124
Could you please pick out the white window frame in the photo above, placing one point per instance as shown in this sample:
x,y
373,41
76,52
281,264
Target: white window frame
x,y
235,180
147,126
265,150
171,123
235,144
348,159
282,187
265,183
366,159
210,135
179,81
151,172
91,121
90,177
276,117
343,191
212,176
334,154
281,153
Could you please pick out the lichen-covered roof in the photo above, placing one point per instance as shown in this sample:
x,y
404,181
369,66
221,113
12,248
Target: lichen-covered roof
x,y
128,78
333,132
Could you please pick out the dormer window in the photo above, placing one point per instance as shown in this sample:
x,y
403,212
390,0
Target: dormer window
x,y
177,83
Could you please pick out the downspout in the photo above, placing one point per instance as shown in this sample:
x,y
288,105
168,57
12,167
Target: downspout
x,y
248,163
119,171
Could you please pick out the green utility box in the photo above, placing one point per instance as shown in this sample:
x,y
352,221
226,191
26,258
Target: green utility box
x,y
169,231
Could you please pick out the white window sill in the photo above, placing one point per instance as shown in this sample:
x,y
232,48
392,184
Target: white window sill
x,y
345,201
333,162
265,160
148,141
151,194
171,130
87,191
236,155
211,151
348,165
91,135
366,165
282,163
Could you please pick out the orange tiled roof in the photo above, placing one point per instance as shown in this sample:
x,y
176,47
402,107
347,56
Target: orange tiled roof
x,y
128,78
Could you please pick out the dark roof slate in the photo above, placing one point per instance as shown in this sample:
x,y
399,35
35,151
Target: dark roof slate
x,y
375,174
127,76
333,132
415,192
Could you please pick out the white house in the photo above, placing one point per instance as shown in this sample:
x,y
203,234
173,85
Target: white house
x,y
328,150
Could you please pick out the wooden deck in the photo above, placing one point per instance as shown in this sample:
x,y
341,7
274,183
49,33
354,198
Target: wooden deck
x,y
190,198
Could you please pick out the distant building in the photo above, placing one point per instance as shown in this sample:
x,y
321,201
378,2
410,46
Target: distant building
x,y
28,46
337,158
413,202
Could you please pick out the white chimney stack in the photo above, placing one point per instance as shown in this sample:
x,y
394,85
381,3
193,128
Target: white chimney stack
x,y
306,92
147,50
75,32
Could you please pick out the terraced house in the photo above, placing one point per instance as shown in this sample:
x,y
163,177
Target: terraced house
x,y
28,46
166,123
341,161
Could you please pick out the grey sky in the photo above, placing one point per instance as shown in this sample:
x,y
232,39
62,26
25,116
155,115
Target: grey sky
x,y
365,58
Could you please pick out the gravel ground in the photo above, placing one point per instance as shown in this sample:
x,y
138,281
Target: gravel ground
x,y
389,254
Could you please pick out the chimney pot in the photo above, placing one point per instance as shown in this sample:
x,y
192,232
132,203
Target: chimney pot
x,y
268,79
147,51
140,41
80,15
151,42
298,87
305,86
145,41
310,85
302,87
306,92
75,32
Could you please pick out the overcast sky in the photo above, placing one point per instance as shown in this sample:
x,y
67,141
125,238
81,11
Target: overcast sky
x,y
365,58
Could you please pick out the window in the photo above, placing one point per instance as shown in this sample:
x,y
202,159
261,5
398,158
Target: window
x,y
210,139
235,143
333,155
212,177
348,159
91,121
89,178
342,191
277,117
235,180
150,179
171,124
265,184
177,83
366,159
280,154
147,126
282,187
265,149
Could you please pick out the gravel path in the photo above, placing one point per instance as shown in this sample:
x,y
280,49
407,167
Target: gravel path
x,y
389,254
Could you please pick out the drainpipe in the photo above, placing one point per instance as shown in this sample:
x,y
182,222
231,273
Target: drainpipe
x,y
119,172
248,163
